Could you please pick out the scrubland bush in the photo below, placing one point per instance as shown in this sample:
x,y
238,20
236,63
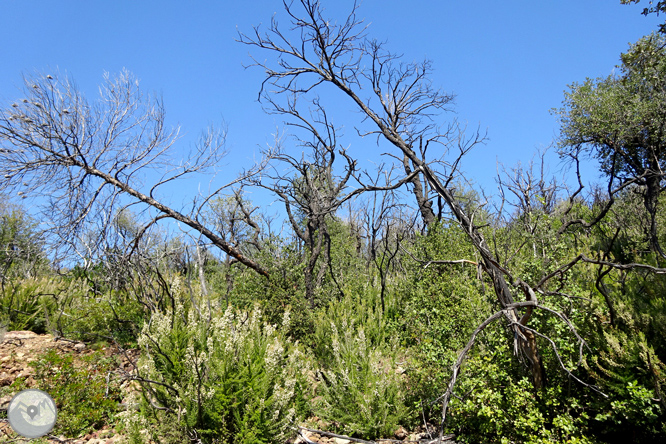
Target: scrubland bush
x,y
363,388
85,390
26,303
223,376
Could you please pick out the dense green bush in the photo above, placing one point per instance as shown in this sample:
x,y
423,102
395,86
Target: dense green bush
x,y
285,290
27,303
362,389
497,405
494,401
113,316
440,306
223,376
69,308
627,369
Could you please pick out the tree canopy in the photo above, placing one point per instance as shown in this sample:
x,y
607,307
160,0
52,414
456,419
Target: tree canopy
x,y
621,121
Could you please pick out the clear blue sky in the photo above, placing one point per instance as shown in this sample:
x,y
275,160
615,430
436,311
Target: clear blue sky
x,y
508,62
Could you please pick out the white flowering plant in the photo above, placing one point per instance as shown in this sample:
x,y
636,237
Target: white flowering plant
x,y
363,388
224,376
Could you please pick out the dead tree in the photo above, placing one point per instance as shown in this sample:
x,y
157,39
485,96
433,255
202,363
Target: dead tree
x,y
533,197
310,188
386,224
399,104
85,158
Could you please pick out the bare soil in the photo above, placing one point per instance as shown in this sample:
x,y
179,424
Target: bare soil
x,y
19,348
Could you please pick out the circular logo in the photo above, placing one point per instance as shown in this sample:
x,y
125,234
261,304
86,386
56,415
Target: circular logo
x,y
32,413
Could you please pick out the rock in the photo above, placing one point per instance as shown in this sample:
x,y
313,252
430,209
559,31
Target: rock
x,y
341,441
5,379
4,401
20,334
80,346
401,433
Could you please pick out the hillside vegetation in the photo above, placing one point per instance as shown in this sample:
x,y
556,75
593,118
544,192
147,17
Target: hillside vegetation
x,y
378,302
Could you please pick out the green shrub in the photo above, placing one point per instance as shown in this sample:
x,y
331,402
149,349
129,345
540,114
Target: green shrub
x,y
285,290
362,389
85,393
496,405
627,369
69,308
441,307
224,377
27,302
83,315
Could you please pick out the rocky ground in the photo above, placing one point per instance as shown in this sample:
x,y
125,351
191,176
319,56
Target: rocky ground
x,y
19,348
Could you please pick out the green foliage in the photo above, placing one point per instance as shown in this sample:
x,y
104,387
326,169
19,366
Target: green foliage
x,y
442,304
347,273
361,309
83,314
627,369
496,405
243,288
21,246
362,389
85,399
620,118
365,371
226,377
70,308
28,303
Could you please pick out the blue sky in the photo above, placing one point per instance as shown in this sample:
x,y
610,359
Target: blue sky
x,y
507,62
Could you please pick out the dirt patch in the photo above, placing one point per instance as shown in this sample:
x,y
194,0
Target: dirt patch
x,y
19,348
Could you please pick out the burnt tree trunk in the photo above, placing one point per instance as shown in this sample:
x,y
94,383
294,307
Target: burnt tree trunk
x,y
525,340
314,241
425,205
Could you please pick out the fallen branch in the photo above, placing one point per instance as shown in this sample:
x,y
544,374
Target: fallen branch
x,y
463,354
447,438
333,435
426,263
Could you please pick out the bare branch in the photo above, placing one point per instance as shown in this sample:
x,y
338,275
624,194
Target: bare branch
x,y
83,157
